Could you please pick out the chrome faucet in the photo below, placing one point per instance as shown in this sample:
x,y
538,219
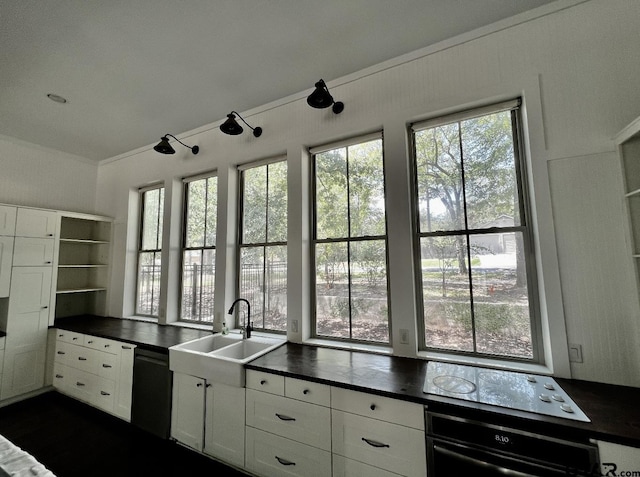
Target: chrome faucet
x,y
246,330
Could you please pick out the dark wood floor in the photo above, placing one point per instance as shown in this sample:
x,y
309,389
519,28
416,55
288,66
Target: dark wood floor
x,y
73,439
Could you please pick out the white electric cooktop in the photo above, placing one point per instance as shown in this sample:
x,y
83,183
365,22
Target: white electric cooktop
x,y
525,392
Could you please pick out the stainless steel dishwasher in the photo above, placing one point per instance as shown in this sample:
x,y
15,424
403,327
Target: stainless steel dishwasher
x,y
152,382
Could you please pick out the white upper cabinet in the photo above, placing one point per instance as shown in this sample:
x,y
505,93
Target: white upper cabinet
x,y
33,252
36,223
7,220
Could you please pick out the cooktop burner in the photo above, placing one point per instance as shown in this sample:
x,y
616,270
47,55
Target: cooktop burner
x,y
525,392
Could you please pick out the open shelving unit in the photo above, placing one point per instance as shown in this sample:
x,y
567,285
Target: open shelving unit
x,y
83,265
628,143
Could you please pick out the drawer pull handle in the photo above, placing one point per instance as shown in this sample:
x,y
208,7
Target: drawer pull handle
x,y
61,352
48,262
126,347
45,307
75,339
263,382
105,393
90,342
107,366
80,358
284,461
60,335
374,443
49,235
78,383
372,407
106,346
59,376
208,385
282,417
199,385
306,391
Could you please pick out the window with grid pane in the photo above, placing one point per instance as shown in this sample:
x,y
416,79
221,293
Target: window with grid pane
x,y
350,242
149,251
199,249
262,260
475,251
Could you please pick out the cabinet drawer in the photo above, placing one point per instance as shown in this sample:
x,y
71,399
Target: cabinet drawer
x,y
70,337
378,407
103,395
343,467
83,358
107,365
380,444
102,344
275,456
300,421
63,352
307,391
268,383
81,384
32,252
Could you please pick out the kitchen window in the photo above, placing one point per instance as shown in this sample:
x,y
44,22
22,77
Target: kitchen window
x,y
349,249
262,257
475,263
199,249
149,250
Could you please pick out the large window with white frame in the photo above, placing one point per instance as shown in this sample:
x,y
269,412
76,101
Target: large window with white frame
x,y
149,251
262,255
199,248
349,247
475,262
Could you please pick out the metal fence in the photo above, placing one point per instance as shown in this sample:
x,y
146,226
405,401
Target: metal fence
x,y
198,287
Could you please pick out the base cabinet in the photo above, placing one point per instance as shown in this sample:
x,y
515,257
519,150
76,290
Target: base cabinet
x,y
209,417
94,370
343,467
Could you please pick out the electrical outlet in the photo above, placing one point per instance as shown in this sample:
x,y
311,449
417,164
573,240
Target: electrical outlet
x,y
294,326
575,353
404,336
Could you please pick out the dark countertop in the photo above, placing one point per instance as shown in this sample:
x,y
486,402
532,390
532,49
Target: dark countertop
x,y
144,334
613,410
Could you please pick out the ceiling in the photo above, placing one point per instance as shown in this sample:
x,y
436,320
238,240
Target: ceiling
x,y
133,70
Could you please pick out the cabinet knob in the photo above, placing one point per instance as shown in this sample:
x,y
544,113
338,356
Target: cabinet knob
x,y
199,385
306,391
48,262
372,407
89,342
208,385
75,339
263,382
49,235
45,307
59,376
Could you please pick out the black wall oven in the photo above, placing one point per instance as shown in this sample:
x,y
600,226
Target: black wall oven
x,y
458,446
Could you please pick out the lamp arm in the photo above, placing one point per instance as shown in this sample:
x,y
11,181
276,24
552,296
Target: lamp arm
x,y
179,141
237,114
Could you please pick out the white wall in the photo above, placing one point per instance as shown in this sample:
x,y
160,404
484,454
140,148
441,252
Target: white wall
x,y
38,177
577,70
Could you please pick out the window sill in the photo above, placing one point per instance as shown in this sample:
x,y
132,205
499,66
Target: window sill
x,y
145,319
193,326
368,348
486,362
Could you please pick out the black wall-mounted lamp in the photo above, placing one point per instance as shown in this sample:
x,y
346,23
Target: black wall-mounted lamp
x,y
231,126
321,98
163,147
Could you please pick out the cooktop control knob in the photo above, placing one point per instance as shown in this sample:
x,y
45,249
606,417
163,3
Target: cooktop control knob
x,y
566,408
531,379
545,398
549,386
557,397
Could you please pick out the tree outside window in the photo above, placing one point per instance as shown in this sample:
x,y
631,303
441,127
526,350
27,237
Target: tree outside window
x,y
262,273
149,252
473,236
199,250
350,243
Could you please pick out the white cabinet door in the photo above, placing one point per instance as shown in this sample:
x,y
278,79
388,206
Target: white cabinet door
x,y
33,252
6,254
224,426
187,412
122,405
27,323
36,223
7,220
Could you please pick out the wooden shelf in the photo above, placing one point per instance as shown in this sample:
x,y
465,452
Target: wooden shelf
x,y
80,290
87,241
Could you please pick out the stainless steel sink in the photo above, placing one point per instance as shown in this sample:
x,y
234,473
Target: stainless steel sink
x,y
220,358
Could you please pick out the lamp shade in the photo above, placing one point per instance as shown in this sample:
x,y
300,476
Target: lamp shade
x,y
321,98
231,126
163,147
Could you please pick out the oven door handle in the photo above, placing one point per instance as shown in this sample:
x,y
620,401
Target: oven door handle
x,y
479,463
